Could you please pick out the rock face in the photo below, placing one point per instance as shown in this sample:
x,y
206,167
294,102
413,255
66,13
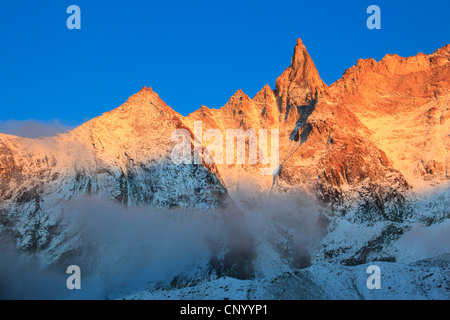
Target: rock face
x,y
357,146
404,102
325,149
123,156
300,82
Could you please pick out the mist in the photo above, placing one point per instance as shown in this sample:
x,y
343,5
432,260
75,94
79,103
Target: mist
x,y
33,128
426,242
121,250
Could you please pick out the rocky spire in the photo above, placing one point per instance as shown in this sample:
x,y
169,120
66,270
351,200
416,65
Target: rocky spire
x,y
300,81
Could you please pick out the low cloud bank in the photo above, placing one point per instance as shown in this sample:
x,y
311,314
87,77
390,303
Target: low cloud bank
x,y
33,128
121,249
426,242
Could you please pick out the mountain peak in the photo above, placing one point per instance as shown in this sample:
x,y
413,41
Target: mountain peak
x,y
239,95
303,70
300,82
146,89
267,88
299,56
264,93
145,94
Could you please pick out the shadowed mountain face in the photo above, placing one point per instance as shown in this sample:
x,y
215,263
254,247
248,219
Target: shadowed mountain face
x,y
362,144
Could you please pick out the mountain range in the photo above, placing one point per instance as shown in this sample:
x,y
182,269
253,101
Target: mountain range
x,y
362,177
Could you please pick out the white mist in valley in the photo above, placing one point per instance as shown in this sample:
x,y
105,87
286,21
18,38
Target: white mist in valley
x,y
122,249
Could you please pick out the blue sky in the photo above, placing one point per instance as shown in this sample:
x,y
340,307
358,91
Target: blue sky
x,y
190,52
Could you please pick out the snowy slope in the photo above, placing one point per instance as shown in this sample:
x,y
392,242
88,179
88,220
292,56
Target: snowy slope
x,y
423,280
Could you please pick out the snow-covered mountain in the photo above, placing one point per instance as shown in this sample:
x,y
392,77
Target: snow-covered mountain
x,y
362,177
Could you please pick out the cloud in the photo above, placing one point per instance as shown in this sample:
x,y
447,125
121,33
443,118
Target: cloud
x,y
122,249
117,249
426,242
33,128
